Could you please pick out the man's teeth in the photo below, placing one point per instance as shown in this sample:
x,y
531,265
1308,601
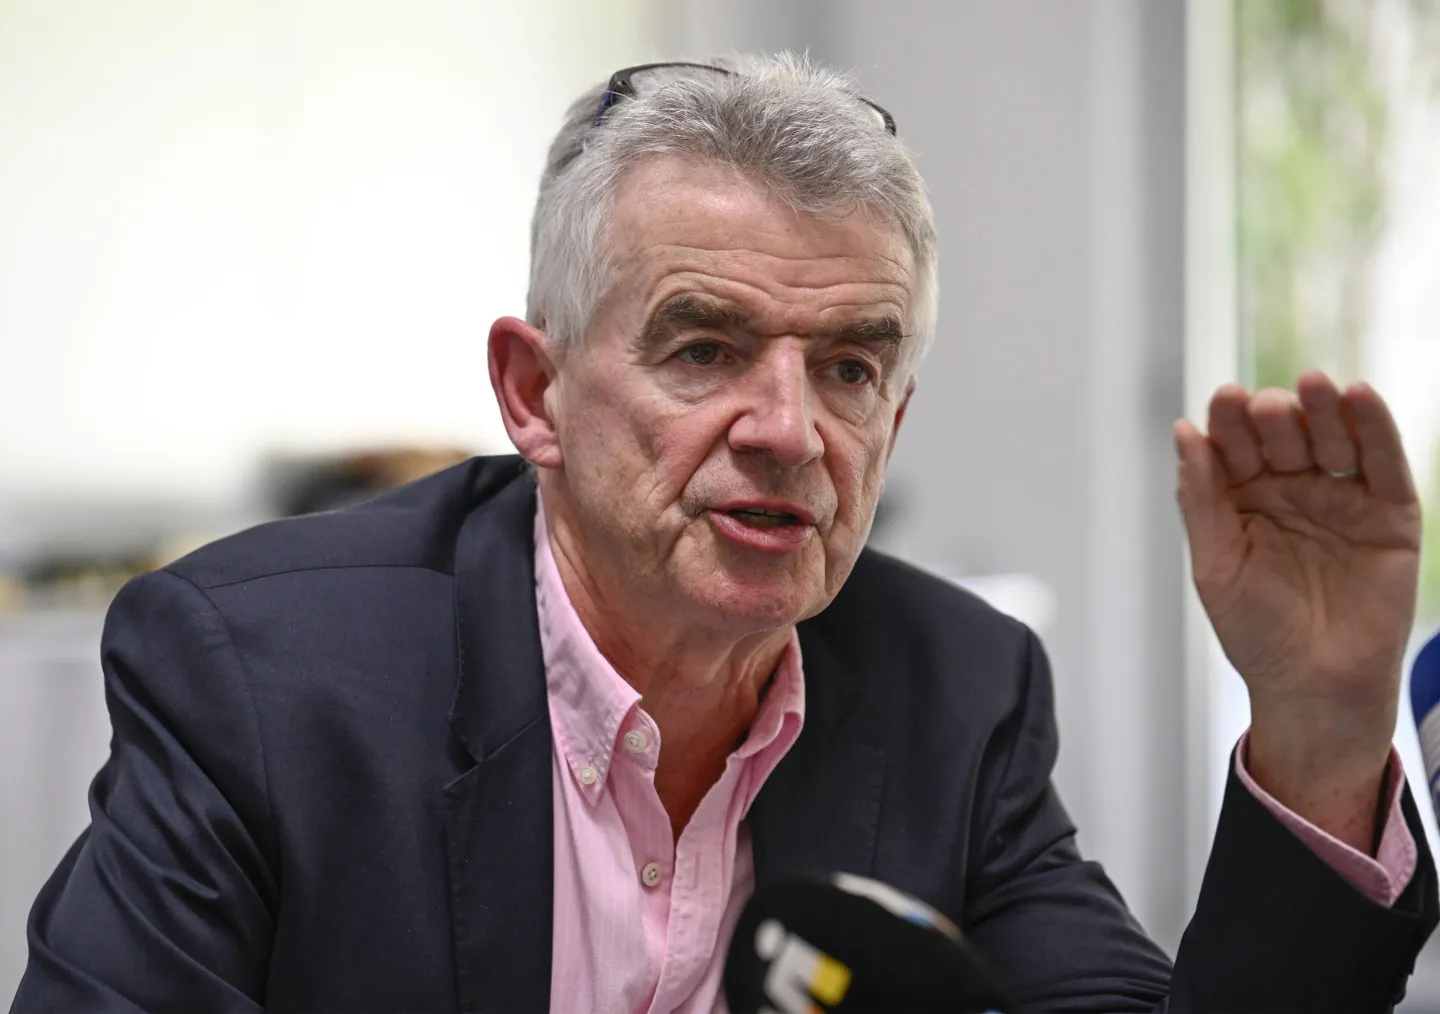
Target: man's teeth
x,y
758,517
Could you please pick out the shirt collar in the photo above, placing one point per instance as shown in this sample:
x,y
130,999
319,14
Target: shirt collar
x,y
777,723
589,700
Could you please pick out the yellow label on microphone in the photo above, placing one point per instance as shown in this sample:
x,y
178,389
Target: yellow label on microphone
x,y
829,981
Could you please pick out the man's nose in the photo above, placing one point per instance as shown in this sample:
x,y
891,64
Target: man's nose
x,y
777,416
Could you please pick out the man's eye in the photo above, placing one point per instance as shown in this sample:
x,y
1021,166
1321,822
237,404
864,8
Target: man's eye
x,y
702,354
852,372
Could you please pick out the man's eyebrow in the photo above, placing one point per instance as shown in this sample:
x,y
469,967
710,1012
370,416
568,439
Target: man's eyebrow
x,y
884,331
885,336
687,311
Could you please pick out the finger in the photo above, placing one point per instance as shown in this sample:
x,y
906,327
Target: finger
x,y
1276,416
1382,454
1233,436
1212,524
1331,440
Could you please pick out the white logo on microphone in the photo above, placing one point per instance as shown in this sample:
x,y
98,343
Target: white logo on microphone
x,y
799,973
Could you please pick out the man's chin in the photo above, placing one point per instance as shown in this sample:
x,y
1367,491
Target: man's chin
x,y
751,592
751,606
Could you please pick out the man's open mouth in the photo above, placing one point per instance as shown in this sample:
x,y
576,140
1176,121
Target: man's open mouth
x,y
758,517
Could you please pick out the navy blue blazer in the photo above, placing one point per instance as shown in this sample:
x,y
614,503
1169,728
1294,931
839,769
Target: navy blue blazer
x,y
329,788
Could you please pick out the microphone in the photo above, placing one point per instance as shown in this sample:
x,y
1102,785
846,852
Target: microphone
x,y
1425,703
848,943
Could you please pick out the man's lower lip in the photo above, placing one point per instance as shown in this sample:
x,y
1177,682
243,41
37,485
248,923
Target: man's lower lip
x,y
780,539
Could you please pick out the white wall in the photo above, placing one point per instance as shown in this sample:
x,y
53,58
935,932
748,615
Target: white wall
x,y
232,228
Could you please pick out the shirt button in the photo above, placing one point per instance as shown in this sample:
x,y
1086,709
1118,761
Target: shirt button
x,y
635,741
587,775
650,875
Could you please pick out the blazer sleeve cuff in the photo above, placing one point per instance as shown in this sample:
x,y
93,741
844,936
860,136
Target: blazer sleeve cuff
x,y
1383,877
1277,928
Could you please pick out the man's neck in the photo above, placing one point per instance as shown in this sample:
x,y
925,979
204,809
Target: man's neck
x,y
701,687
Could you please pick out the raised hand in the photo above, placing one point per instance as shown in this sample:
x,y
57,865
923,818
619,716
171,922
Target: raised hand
x,y
1304,532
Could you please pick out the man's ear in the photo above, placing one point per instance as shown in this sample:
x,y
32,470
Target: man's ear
x,y
521,372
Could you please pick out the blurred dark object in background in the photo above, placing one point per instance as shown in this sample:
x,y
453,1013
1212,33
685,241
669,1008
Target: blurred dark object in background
x,y
85,573
309,484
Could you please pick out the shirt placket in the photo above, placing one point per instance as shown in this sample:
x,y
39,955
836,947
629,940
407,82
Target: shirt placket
x,y
647,827
696,897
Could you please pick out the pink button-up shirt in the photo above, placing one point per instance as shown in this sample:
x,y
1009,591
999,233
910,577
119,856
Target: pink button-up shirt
x,y
642,920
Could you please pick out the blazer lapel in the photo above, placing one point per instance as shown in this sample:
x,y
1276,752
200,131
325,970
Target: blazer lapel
x,y
499,814
819,810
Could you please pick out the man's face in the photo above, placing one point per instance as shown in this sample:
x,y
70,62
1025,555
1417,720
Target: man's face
x,y
726,422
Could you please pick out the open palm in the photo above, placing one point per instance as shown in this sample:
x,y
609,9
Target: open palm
x,y
1304,532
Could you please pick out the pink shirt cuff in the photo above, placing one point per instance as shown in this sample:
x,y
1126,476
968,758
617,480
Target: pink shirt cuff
x,y
1382,878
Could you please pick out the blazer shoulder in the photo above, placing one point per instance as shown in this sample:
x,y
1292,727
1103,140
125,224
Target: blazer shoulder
x,y
413,526
921,646
893,599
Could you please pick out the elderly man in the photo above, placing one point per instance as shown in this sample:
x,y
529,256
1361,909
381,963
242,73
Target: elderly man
x,y
526,735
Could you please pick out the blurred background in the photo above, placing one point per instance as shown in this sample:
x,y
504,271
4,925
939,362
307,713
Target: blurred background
x,y
249,253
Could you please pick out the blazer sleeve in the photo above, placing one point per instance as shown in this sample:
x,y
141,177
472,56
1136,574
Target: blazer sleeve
x,y
1275,928
167,901
1052,923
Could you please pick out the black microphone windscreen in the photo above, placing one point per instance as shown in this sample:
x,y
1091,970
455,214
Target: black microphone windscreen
x,y
851,944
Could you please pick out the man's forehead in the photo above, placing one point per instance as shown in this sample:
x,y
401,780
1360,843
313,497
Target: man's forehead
x,y
673,216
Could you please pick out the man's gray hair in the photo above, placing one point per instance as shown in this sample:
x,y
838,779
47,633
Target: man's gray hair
x,y
781,121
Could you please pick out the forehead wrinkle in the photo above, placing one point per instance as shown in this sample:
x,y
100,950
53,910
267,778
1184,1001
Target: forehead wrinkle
x,y
761,290
672,205
640,251
868,273
901,265
888,289
647,265
656,190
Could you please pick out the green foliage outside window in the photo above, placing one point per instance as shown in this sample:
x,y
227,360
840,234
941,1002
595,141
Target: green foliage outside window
x,y
1314,129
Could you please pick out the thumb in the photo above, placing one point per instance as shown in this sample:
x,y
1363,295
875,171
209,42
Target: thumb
x,y
1211,521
